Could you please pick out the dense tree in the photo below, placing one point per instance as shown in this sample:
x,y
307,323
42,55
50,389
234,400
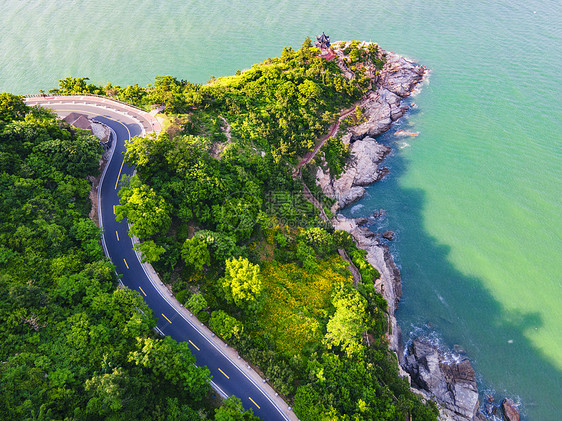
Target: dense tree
x,y
143,207
221,246
89,235
232,410
242,283
319,239
150,251
306,255
77,156
225,325
72,85
365,389
173,362
348,321
11,108
195,253
132,93
238,214
73,345
224,175
196,303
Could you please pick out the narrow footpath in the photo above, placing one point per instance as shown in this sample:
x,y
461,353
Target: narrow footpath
x,y
310,197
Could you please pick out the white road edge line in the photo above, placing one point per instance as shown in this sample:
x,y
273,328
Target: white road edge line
x,y
100,214
218,389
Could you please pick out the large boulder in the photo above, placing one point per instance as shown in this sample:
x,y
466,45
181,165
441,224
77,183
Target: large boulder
x,y
366,155
388,235
362,169
510,411
381,108
401,75
451,382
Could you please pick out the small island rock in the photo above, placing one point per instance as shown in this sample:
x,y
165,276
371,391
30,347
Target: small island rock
x,y
389,235
510,411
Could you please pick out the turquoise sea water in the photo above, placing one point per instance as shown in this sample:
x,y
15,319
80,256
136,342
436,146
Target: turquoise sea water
x,y
475,199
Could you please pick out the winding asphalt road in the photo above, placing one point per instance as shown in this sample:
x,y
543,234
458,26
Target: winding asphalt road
x,y
228,378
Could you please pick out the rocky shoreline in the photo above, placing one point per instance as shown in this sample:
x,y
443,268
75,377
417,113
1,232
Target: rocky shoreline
x,y
451,382
382,106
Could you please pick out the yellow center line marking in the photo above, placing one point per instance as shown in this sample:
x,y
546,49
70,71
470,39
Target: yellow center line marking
x,y
119,175
225,375
252,401
113,209
126,263
167,319
142,291
195,346
117,234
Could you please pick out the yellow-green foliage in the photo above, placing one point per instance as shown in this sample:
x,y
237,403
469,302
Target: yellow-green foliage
x,y
298,302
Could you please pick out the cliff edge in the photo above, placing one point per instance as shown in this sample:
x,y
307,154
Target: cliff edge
x,y
452,384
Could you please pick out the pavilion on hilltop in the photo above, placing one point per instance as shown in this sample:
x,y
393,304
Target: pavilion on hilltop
x,y
323,42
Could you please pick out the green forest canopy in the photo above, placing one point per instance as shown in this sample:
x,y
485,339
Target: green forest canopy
x,y
237,232
73,345
215,199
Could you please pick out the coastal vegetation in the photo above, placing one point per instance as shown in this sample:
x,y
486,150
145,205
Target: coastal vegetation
x,y
73,345
231,229
225,219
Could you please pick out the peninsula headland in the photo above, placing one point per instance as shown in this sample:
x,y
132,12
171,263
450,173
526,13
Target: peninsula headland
x,y
235,206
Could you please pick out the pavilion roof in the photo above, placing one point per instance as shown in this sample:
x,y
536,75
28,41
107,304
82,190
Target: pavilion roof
x,y
322,41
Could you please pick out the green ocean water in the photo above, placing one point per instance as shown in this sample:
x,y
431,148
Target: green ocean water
x,y
475,199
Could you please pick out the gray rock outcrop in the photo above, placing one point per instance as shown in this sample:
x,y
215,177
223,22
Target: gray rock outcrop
x,y
102,132
451,382
388,235
383,106
362,169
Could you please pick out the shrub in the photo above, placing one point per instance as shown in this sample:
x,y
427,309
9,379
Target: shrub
x,y
280,239
178,286
283,256
336,154
374,56
354,53
182,296
307,257
203,316
343,239
225,325
368,272
242,283
196,303
319,239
